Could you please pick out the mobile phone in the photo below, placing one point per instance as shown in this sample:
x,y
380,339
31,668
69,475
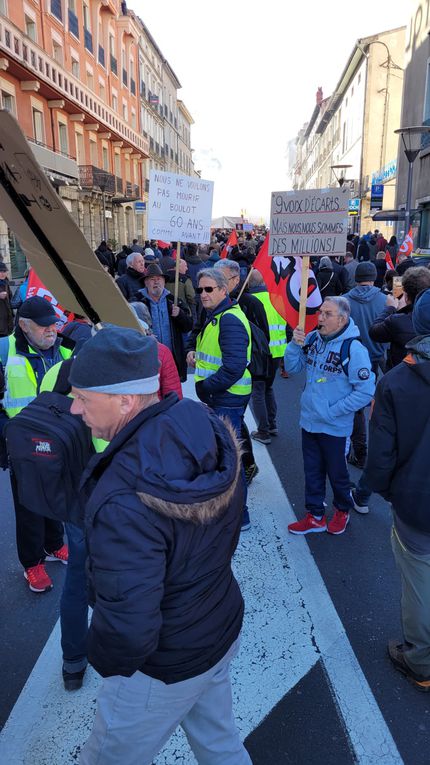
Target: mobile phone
x,y
397,287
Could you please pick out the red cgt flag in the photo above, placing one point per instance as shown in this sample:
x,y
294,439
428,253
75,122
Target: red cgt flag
x,y
231,242
282,276
388,261
407,245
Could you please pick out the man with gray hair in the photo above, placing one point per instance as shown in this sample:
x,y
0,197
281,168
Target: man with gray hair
x,y
132,281
339,381
163,512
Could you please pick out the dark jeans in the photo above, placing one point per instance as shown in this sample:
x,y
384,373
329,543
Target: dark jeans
x,y
235,415
248,458
323,456
34,533
359,435
74,603
362,490
263,399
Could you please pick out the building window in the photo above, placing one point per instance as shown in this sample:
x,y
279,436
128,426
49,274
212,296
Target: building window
x,y
75,67
3,7
30,28
124,111
118,165
90,80
56,9
8,102
114,102
93,153
105,158
87,17
57,52
133,120
80,149
38,126
63,138
73,19
102,91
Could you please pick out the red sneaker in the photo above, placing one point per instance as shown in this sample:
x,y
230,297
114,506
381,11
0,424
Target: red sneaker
x,y
37,578
338,523
308,525
61,555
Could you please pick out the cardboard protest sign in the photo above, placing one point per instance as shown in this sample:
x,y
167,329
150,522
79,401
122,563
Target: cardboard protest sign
x,y
179,208
310,222
54,245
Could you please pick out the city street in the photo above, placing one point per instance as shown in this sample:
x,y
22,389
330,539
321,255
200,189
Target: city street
x,y
312,682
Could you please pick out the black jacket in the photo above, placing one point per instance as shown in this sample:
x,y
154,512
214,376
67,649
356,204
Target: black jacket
x,y
328,282
399,440
404,265
130,284
163,515
394,327
178,325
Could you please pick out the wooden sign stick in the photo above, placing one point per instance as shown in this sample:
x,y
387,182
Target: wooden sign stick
x,y
178,258
304,291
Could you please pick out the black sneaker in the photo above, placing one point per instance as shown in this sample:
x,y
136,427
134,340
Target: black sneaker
x,y
73,680
250,473
359,506
262,436
396,653
274,431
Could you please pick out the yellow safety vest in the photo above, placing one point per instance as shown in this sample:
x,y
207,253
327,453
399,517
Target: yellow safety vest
x,y
21,383
209,355
48,384
278,338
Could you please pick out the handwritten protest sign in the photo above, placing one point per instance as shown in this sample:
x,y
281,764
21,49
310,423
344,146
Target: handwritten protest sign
x,y
309,222
180,207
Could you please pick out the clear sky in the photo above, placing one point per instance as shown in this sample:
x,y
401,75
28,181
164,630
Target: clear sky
x,y
249,73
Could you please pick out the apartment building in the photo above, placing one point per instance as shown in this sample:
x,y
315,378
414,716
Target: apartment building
x,y
354,128
97,101
416,112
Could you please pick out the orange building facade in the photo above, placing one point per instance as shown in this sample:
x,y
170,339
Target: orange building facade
x,y
71,72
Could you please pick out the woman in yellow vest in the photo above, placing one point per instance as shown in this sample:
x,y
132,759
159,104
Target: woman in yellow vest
x,y
222,355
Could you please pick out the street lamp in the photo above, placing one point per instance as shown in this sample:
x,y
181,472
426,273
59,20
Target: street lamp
x,y
339,172
411,139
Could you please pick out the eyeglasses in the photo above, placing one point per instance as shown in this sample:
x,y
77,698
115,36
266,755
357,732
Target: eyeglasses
x,y
199,290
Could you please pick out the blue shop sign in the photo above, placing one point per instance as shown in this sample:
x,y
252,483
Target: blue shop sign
x,y
387,173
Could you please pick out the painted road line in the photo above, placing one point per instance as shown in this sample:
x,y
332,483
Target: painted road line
x,y
290,624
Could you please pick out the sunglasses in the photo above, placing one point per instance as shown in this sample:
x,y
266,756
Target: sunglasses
x,y
199,290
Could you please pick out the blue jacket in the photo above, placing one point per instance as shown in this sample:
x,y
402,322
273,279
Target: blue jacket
x,y
233,340
163,508
331,397
367,303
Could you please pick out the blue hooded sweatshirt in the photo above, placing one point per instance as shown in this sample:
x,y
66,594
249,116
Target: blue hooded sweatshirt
x,y
367,303
330,397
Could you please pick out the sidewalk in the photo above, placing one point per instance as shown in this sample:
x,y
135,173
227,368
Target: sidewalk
x,y
290,624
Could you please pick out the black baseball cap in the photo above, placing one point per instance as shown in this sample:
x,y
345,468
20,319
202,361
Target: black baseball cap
x,y
3,267
39,310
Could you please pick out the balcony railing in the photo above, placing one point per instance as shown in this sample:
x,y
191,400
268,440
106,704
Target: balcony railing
x,y
132,190
124,77
132,86
101,55
88,40
113,64
34,59
73,24
56,9
90,176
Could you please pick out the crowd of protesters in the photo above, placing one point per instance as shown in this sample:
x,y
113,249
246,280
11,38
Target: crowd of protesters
x,y
165,497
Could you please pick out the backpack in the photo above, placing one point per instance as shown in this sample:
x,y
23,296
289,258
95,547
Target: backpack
x,y
49,448
345,350
259,366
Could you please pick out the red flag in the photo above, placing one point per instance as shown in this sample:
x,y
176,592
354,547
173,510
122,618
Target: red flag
x,y
231,242
407,245
388,261
35,287
282,276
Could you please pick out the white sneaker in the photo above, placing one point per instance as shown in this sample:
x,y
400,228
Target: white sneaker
x,y
360,508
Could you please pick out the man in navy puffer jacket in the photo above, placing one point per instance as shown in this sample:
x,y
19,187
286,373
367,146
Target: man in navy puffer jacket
x,y
163,514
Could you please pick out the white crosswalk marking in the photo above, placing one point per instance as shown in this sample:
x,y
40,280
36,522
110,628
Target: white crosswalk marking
x,y
290,624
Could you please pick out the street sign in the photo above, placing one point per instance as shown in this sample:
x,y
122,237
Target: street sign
x,y
353,207
139,208
376,197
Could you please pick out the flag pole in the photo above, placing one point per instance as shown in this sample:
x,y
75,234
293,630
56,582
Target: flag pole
x,y
242,289
178,258
304,291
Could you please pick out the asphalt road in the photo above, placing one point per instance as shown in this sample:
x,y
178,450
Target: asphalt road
x,y
359,574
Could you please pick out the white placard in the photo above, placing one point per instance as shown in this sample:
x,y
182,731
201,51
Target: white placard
x,y
309,222
179,208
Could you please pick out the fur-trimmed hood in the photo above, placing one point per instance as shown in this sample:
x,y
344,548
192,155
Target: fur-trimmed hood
x,y
180,459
